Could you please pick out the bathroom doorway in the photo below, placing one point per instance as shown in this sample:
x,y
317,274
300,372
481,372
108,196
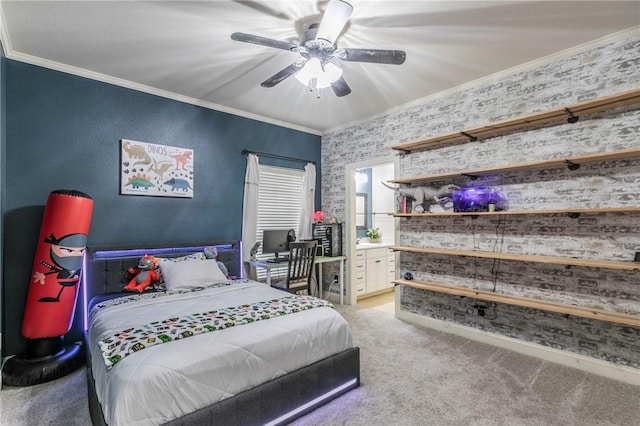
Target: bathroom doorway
x,y
368,206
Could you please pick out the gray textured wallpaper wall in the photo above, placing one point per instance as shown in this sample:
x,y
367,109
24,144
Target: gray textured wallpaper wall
x,y
604,70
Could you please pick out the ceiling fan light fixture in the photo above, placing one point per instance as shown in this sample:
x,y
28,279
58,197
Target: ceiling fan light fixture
x,y
332,72
313,70
317,48
334,19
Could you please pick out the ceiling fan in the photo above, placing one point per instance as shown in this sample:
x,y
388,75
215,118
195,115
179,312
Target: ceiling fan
x,y
318,48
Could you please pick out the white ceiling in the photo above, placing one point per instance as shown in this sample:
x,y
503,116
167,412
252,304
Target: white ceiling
x,y
183,50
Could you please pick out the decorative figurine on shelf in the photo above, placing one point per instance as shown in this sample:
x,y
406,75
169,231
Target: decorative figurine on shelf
x,y
318,216
425,196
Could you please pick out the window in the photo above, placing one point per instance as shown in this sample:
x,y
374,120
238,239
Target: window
x,y
279,203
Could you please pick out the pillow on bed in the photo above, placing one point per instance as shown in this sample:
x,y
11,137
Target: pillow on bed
x,y
190,274
192,256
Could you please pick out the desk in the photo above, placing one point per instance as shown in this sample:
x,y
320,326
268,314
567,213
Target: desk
x,y
320,260
263,264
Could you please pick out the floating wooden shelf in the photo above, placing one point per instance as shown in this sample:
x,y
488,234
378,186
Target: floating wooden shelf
x,y
558,162
568,261
498,128
523,212
579,311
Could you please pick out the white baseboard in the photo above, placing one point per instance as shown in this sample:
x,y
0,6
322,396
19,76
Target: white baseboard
x,y
581,362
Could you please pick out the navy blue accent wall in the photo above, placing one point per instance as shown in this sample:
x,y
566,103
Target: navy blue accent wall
x,y
63,132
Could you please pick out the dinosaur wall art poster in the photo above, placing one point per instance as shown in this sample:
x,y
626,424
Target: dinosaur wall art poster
x,y
157,170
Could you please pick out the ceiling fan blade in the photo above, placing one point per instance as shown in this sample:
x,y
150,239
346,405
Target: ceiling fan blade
x,y
280,76
263,41
340,87
334,19
378,56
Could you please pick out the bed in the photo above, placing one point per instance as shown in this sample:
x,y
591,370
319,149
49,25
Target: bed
x,y
258,355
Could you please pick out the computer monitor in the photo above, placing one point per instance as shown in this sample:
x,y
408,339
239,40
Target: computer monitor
x,y
277,241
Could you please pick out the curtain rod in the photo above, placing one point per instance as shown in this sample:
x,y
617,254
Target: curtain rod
x,y
280,157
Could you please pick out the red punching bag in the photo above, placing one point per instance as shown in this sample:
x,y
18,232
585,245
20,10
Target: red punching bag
x,y
53,290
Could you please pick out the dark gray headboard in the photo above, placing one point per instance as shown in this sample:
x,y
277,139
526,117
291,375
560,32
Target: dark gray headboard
x,y
106,266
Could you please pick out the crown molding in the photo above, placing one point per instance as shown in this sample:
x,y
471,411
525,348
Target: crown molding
x,y
33,60
151,90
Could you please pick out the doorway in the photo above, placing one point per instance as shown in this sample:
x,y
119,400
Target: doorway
x,y
368,205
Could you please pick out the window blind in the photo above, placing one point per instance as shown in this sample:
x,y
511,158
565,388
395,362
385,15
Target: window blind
x,y
279,204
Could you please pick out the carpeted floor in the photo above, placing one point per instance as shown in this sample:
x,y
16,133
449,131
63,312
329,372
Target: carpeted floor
x,y
417,376
410,376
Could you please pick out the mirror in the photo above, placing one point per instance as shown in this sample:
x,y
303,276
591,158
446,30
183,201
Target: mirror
x,y
362,217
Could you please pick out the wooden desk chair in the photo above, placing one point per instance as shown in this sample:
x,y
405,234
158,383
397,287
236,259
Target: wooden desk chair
x,y
299,272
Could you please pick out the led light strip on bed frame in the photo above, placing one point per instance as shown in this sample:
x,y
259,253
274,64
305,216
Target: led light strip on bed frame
x,y
314,403
138,252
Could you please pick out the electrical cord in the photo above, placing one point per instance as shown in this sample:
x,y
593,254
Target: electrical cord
x,y
333,287
476,247
497,248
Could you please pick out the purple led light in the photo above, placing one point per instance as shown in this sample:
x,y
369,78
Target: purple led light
x,y
474,199
85,302
313,404
111,254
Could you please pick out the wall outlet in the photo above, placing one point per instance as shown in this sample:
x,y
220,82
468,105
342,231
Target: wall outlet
x,y
478,309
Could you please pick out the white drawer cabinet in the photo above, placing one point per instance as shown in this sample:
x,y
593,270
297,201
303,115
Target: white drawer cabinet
x,y
391,268
376,267
361,275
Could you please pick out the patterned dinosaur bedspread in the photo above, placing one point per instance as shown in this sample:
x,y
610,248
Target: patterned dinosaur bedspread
x,y
115,347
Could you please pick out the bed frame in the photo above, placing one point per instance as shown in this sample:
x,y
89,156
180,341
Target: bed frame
x,y
279,401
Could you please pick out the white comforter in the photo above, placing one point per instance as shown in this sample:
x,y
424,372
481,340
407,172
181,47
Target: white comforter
x,y
164,382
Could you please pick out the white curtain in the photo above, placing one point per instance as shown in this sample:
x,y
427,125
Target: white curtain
x,y
309,190
250,205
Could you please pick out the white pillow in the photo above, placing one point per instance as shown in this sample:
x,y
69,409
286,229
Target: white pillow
x,y
191,273
192,256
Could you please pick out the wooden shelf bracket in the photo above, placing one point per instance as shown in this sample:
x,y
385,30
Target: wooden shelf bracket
x,y
572,118
471,137
571,165
470,176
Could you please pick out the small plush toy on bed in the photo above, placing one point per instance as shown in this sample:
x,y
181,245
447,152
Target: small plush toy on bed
x,y
212,253
144,275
